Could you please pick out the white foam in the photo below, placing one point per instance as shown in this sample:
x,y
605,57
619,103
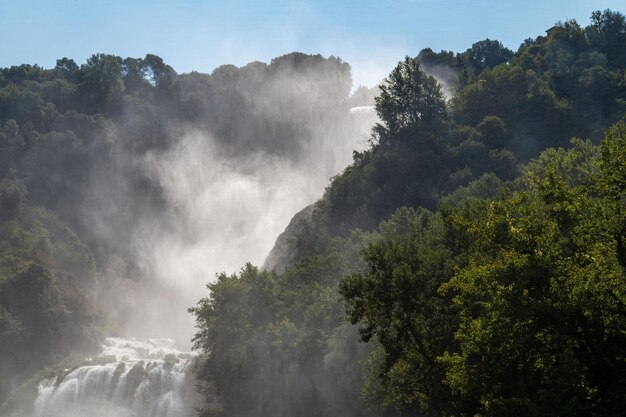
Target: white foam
x,y
361,109
146,378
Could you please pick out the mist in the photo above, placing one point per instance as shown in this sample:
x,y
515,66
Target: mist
x,y
146,184
227,188
254,242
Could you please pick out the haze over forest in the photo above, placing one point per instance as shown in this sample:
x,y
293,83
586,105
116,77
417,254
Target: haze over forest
x,y
273,240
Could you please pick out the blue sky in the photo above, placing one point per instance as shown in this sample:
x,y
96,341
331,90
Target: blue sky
x,y
203,34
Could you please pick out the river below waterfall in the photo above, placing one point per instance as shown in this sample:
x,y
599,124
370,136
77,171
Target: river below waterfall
x,y
130,378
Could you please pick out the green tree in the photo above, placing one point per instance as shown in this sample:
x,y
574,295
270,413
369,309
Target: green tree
x,y
68,69
396,303
493,131
613,184
159,73
608,32
542,297
408,99
101,82
134,73
488,53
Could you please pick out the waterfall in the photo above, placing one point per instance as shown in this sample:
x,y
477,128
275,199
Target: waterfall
x,y
130,378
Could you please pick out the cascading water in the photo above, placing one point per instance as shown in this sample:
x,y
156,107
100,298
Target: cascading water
x,y
134,378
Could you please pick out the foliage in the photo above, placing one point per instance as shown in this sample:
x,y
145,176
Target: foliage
x,y
480,292
396,301
512,305
408,99
496,289
542,317
259,326
45,272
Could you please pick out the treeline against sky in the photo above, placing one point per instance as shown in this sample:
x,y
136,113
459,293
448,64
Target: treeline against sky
x,y
477,248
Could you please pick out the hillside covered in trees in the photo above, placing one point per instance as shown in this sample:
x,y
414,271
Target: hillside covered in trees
x,y
477,246
470,261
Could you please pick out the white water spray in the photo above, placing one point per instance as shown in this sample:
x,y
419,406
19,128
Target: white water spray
x,y
141,378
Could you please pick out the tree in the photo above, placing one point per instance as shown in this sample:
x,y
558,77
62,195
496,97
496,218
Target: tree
x,y
542,297
488,54
134,73
408,99
608,32
101,81
493,131
613,167
159,73
395,302
68,69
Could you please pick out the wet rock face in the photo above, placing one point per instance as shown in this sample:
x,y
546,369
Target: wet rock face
x,y
142,378
284,252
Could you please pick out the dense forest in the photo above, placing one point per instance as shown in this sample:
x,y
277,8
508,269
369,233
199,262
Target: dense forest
x,y
478,247
471,260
